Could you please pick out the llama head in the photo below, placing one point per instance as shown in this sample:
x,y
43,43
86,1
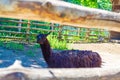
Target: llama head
x,y
41,38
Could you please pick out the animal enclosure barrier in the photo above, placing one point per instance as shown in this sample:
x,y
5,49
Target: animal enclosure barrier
x,y
61,13
26,30
110,69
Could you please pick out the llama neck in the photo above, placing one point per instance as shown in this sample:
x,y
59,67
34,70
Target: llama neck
x,y
46,50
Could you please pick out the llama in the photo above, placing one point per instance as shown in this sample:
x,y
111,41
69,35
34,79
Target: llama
x,y
67,58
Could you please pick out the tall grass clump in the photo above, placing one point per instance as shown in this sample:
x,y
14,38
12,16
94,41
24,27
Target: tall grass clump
x,y
1,43
15,46
57,44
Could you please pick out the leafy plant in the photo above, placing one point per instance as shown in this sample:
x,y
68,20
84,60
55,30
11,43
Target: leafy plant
x,y
104,4
101,4
16,46
56,44
2,43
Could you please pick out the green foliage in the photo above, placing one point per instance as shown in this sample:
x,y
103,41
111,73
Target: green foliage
x,y
38,25
12,45
2,43
105,4
56,44
74,39
101,4
16,46
74,1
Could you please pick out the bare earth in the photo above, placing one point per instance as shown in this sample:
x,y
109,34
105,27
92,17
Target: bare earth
x,y
110,52
31,66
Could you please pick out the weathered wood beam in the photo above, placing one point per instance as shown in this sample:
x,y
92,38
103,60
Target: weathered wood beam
x,y
60,12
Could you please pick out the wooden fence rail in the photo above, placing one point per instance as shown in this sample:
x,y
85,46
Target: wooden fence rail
x,y
29,30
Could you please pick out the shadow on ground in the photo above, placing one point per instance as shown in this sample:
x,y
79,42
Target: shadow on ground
x,y
30,57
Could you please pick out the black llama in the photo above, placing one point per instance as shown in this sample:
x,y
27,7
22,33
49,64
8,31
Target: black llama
x,y
67,58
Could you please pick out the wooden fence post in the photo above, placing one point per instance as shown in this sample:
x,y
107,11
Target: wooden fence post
x,y
28,32
78,31
87,34
20,25
52,27
60,33
116,8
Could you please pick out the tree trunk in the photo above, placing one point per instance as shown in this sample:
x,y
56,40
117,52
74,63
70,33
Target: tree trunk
x,y
116,5
115,8
115,35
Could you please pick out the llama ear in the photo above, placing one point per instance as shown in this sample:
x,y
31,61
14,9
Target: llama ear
x,y
47,34
50,29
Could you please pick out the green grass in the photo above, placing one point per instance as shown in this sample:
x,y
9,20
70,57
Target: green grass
x,y
1,43
56,44
12,45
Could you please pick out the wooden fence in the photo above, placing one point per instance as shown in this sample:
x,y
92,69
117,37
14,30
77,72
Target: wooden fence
x,y
26,30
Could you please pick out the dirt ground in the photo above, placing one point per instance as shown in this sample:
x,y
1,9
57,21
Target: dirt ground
x,y
112,48
30,57
110,69
110,53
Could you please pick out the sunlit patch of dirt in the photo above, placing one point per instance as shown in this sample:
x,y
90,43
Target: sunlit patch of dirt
x,y
110,52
